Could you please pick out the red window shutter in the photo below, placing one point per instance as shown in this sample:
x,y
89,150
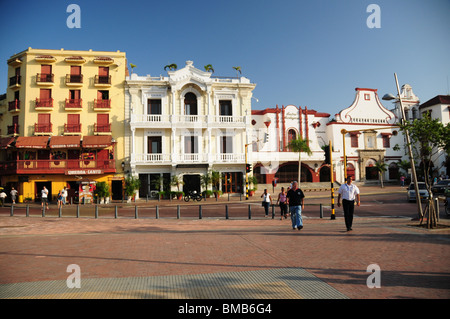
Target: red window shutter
x,y
46,69
103,71
73,119
102,119
45,94
75,70
44,119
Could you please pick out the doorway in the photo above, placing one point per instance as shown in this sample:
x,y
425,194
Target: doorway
x,y
116,189
191,183
38,188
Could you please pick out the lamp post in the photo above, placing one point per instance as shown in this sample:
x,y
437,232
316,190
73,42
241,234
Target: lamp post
x,y
388,97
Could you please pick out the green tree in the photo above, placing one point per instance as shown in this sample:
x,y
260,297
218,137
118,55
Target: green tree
x,y
132,184
238,70
381,168
209,68
428,137
299,145
171,67
132,67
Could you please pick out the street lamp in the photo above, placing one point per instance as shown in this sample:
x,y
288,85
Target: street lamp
x,y
388,97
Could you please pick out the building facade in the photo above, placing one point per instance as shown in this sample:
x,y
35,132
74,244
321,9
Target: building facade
x,y
62,124
186,125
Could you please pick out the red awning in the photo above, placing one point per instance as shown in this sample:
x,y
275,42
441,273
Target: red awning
x,y
5,141
32,142
96,141
65,141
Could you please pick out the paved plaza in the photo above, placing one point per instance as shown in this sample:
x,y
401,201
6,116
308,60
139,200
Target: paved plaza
x,y
216,258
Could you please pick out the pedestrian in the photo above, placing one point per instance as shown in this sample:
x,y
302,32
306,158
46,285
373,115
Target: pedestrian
x,y
64,195
295,200
402,180
267,200
13,195
44,197
3,197
60,199
281,201
349,193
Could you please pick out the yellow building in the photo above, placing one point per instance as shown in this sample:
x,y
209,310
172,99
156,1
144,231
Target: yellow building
x,y
63,121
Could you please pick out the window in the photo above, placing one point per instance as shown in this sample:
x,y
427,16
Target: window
x,y
74,94
226,144
154,106
191,144
225,108
103,75
154,145
367,97
354,140
73,123
103,95
190,104
75,74
386,140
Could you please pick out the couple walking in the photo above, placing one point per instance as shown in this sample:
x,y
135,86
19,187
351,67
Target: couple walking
x,y
292,199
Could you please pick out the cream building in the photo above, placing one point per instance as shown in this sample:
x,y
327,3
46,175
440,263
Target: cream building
x,y
187,124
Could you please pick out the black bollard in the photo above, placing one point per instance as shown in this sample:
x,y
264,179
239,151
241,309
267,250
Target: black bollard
x,y
135,212
12,210
157,211
249,212
28,211
226,211
321,211
200,212
178,211
115,211
96,211
78,211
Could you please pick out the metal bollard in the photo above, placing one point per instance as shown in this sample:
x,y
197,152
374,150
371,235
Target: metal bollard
x,y
157,211
273,211
178,211
226,211
436,203
28,210
200,212
249,212
12,210
60,212
321,211
96,211
135,212
43,210
147,199
115,211
78,211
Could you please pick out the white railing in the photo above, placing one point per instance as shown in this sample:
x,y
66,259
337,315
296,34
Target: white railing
x,y
229,119
151,158
230,158
158,118
187,158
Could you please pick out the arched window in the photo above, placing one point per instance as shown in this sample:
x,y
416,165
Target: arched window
x,y
190,104
292,135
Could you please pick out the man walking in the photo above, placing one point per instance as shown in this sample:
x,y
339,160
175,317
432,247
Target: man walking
x,y
44,197
349,193
296,203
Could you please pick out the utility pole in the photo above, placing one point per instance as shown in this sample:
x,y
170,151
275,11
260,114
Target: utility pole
x,y
333,215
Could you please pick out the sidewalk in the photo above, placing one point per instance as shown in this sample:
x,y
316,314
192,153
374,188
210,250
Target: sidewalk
x,y
222,259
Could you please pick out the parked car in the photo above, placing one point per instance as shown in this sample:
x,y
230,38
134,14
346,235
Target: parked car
x,y
439,187
411,192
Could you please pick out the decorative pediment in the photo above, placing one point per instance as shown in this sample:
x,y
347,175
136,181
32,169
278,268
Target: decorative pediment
x,y
366,109
189,74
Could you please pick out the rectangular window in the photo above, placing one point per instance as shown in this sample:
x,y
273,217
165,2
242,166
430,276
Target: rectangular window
x,y
154,106
74,94
386,141
191,144
226,144
103,95
225,108
367,97
354,140
154,144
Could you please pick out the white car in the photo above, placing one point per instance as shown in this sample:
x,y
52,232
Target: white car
x,y
411,193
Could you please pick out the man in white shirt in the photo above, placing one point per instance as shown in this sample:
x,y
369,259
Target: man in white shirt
x,y
44,197
349,194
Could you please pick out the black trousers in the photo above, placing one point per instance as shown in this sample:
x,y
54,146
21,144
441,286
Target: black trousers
x,y
349,208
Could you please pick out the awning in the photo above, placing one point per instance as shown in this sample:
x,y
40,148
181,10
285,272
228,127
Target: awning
x,y
96,141
72,141
32,142
5,141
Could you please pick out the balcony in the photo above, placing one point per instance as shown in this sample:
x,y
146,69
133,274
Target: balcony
x,y
72,129
103,60
45,79
45,58
14,62
44,105
230,158
42,129
60,166
74,80
75,59
102,129
102,80
73,105
157,158
13,129
15,82
14,106
102,105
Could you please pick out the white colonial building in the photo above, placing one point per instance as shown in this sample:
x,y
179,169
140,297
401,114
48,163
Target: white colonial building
x,y
187,124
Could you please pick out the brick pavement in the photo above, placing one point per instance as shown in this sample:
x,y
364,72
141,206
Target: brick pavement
x,y
217,258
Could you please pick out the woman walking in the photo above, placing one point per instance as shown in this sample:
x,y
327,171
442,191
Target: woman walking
x,y
281,201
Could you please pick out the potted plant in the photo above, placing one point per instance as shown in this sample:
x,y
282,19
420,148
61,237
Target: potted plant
x,y
102,192
217,193
252,180
177,181
132,184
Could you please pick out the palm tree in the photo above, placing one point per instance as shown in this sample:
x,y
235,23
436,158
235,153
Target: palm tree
x,y
132,67
171,67
238,69
299,145
381,168
209,68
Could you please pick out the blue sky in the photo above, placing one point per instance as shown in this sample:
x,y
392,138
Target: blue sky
x,y
307,53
